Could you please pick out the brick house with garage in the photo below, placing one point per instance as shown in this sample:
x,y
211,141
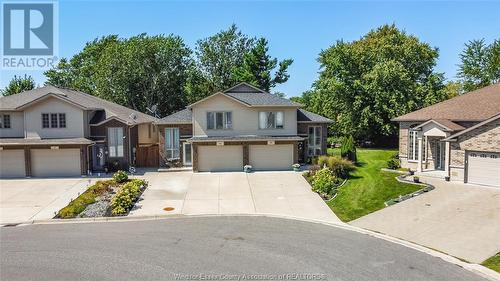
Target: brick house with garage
x,y
52,131
240,126
457,139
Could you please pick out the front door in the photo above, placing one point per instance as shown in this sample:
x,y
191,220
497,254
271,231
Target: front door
x,y
187,154
440,147
98,160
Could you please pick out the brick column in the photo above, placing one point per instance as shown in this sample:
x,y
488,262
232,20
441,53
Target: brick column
x,y
419,163
246,155
27,161
194,151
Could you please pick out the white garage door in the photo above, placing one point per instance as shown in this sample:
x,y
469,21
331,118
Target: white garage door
x,y
271,157
220,158
483,168
55,162
12,163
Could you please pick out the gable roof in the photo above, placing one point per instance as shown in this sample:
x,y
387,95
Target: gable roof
x,y
444,123
306,116
184,116
80,99
477,105
452,137
251,96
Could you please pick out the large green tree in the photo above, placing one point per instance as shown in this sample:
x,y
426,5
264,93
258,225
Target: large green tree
x,y
18,84
480,64
365,83
137,72
257,67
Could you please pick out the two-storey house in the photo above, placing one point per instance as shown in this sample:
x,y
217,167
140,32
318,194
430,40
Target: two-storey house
x,y
241,126
52,131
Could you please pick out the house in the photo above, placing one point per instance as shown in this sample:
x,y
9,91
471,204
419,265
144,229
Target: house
x,y
53,131
240,126
457,139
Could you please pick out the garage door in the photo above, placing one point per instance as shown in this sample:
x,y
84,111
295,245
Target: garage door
x,y
12,163
55,162
220,158
483,168
271,157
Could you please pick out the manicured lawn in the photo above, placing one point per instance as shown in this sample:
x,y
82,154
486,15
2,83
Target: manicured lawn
x,y
368,187
493,263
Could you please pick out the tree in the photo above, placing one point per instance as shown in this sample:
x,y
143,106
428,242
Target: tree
x,y
365,83
480,64
19,84
453,89
257,67
136,72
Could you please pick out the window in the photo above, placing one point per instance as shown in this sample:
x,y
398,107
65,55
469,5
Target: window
x,y
219,120
271,120
5,121
314,141
413,145
62,120
53,120
45,120
115,142
172,143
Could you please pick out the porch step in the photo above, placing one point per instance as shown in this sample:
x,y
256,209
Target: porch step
x,y
431,174
180,169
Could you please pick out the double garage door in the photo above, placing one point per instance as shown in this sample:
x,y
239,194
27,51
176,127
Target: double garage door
x,y
230,157
44,163
483,168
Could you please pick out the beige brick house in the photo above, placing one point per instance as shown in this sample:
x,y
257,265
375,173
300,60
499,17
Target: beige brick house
x,y
241,126
457,139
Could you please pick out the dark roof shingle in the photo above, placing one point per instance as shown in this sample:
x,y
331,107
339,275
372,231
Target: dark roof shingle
x,y
180,117
306,116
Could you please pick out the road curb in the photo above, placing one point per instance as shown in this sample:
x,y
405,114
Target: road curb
x,y
475,268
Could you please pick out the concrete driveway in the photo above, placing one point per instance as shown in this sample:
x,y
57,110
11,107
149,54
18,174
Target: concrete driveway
x,y
22,200
458,219
276,193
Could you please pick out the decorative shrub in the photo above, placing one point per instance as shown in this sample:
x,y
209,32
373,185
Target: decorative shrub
x,y
120,176
340,167
393,164
323,181
348,149
322,161
125,198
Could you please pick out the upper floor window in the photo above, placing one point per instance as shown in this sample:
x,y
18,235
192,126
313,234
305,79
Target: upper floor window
x,y
53,120
271,120
4,121
222,120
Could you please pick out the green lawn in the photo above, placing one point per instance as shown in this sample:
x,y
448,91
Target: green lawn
x,y
368,188
493,263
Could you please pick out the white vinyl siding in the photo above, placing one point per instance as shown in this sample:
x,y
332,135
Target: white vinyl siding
x,y
271,120
115,142
172,146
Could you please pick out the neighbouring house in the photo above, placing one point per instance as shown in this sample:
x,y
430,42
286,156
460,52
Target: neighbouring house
x,y
52,131
457,139
241,126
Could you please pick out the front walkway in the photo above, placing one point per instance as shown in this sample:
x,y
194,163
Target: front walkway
x,y
459,219
275,193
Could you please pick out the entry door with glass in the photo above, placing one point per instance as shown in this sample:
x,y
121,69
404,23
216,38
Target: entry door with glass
x,y
440,147
98,160
187,155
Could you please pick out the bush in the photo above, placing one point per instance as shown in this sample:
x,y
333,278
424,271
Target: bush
x,y
125,198
348,149
120,176
79,204
340,167
393,164
324,181
322,161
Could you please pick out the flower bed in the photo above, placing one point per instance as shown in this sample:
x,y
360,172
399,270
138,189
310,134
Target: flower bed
x,y
105,198
330,173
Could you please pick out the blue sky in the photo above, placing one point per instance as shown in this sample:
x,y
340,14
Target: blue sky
x,y
295,29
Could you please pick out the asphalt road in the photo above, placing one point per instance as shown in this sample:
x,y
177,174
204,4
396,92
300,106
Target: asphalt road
x,y
211,247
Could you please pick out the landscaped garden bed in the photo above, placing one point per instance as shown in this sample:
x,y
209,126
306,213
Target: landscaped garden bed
x,y
114,197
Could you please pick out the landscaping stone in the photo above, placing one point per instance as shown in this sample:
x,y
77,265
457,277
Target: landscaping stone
x,y
98,209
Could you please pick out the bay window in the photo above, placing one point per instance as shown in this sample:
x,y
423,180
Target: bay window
x,y
172,150
271,120
115,142
222,120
